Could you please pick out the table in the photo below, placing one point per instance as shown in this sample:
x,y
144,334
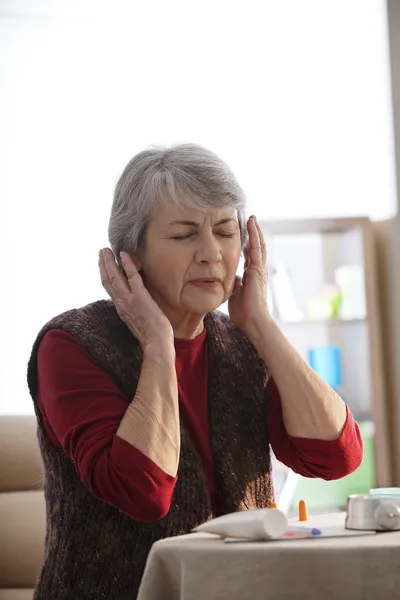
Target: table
x,y
202,567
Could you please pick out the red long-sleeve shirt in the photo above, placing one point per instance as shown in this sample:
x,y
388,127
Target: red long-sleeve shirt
x,y
82,408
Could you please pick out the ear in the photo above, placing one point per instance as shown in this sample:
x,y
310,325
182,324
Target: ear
x,y
137,262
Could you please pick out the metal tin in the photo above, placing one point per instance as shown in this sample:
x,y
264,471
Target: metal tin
x,y
373,513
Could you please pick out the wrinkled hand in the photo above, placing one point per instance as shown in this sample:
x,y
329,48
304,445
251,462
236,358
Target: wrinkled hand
x,y
132,301
248,302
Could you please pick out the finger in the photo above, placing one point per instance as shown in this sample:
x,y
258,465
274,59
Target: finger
x,y
116,279
263,245
236,285
246,258
104,277
254,251
132,273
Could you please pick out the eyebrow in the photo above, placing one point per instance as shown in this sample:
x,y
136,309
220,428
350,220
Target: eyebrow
x,y
197,224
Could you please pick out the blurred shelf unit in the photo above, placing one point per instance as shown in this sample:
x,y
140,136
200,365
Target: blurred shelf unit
x,y
322,290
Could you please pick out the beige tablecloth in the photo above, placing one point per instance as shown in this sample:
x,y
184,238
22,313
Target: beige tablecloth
x,y
202,567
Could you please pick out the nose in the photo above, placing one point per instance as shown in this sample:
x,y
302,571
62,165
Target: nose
x,y
208,250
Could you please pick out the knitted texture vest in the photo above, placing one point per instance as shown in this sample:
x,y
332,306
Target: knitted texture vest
x,y
93,550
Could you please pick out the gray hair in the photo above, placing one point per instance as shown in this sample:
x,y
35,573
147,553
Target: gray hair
x,y
185,173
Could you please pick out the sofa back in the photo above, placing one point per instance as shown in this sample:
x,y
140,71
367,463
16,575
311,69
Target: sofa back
x,y
22,507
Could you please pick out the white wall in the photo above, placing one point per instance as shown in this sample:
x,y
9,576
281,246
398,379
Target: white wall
x,y
295,96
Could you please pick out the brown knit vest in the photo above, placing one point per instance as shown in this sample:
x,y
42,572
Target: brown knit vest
x,y
93,550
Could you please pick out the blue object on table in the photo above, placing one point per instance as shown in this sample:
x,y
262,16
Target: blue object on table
x,y
394,491
327,362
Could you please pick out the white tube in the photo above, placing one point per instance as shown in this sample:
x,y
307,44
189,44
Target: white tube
x,y
263,523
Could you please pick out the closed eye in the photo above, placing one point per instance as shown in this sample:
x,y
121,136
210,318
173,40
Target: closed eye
x,y
188,235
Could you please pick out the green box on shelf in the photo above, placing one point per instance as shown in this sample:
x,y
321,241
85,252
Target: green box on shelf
x,y
332,494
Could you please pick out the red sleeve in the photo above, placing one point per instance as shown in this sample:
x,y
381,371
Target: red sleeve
x,y
82,408
310,457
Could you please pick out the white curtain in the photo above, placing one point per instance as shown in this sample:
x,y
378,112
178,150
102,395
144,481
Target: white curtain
x,y
294,95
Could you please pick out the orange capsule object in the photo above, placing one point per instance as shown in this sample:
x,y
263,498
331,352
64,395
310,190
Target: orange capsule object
x,y
273,505
303,514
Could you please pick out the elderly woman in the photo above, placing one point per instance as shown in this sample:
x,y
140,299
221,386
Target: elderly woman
x,y
155,411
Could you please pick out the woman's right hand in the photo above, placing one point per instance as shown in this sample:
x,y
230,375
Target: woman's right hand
x,y
133,302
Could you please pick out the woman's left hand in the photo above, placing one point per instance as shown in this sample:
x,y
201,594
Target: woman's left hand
x,y
248,302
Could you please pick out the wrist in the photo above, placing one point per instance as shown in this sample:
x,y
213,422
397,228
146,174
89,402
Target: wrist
x,y
258,328
160,350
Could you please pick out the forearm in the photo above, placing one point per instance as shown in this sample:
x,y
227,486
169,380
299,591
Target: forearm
x,y
151,422
310,407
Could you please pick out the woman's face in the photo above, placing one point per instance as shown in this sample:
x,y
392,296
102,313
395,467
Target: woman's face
x,y
190,258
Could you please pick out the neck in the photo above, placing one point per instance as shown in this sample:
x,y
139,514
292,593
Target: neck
x,y
186,326
188,331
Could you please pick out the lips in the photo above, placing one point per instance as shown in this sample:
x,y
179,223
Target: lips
x,y
206,283
206,280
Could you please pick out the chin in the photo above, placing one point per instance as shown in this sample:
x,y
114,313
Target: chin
x,y
203,306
